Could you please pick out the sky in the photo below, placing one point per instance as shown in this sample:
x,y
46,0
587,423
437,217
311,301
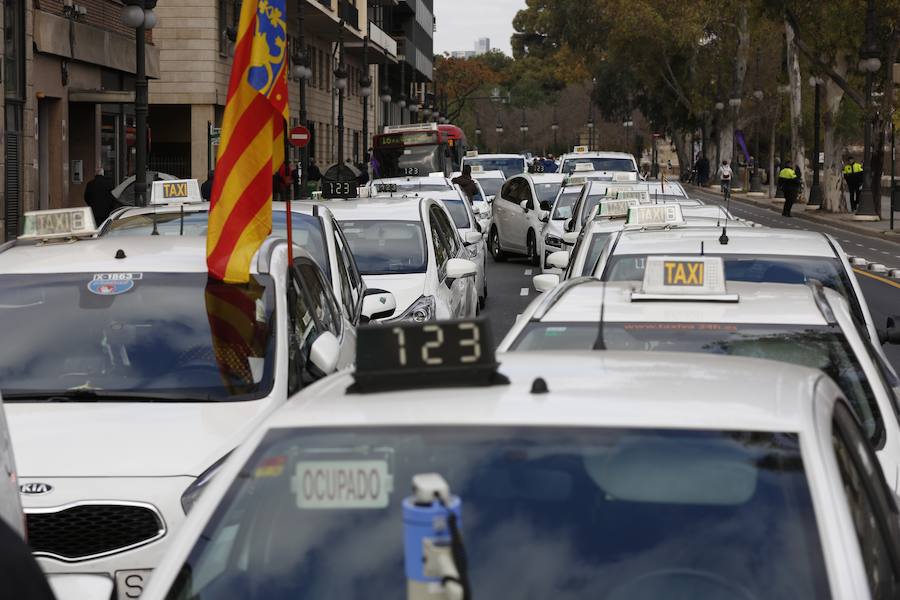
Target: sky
x,y
461,22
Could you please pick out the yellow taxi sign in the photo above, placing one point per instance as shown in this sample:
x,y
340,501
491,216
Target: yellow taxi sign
x,y
58,223
673,277
615,209
654,215
175,191
580,149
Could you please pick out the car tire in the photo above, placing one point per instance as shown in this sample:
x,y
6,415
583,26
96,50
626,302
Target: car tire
x,y
494,246
533,258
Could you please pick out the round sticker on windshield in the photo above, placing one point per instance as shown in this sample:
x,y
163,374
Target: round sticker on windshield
x,y
112,284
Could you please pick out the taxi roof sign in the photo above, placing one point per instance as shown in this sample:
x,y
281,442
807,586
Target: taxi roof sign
x,y
583,167
625,176
471,153
615,209
639,195
175,191
580,150
580,180
477,169
58,223
684,278
654,215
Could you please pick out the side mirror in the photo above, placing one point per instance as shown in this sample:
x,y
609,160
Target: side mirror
x,y
459,268
891,335
569,224
544,216
490,199
324,353
472,237
570,238
545,282
377,304
559,260
524,205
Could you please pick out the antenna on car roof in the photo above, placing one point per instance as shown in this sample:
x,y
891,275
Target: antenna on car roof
x,y
723,239
702,252
599,344
181,231
155,227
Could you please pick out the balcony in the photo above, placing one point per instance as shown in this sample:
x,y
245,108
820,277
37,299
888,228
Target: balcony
x,y
349,14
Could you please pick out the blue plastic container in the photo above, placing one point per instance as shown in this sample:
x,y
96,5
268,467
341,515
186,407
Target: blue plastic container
x,y
421,522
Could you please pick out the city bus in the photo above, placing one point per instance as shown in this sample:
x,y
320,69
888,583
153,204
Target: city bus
x,y
417,150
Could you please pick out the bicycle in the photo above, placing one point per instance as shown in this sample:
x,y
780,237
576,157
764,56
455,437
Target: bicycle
x,y
726,190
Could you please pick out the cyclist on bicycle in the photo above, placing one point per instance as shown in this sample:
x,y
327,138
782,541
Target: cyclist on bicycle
x,y
725,175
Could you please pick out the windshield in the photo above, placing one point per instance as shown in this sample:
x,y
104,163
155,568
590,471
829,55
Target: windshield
x,y
547,514
387,247
307,229
170,335
546,193
818,347
563,208
459,211
409,161
490,186
510,166
599,164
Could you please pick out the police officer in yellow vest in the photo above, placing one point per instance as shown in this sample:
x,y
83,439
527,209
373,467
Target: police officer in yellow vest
x,y
853,175
790,182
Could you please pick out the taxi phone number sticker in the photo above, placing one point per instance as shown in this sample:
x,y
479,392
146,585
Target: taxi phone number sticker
x,y
113,284
340,484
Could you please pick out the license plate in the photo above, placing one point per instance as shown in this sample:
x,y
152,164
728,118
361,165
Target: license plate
x,y
131,584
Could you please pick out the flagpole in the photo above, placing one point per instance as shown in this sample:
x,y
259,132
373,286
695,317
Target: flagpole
x,y
287,200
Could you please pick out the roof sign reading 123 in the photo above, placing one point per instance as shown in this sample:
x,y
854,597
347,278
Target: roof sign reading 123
x,y
659,215
422,355
60,223
176,191
675,277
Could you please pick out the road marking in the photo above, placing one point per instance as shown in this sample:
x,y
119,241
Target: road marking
x,y
878,278
524,291
528,271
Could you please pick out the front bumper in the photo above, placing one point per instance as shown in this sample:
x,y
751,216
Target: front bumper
x,y
74,549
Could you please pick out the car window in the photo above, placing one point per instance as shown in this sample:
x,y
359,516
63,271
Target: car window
x,y
526,195
867,500
303,331
353,276
449,232
441,249
347,300
511,190
320,295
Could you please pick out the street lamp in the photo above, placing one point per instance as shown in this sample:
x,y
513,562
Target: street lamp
x,y
628,124
301,71
815,191
869,63
735,104
477,136
499,129
340,83
590,126
414,112
427,112
139,15
555,128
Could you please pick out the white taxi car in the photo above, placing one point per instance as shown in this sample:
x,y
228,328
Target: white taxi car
x,y
685,305
313,228
612,216
552,475
490,181
411,185
509,164
551,238
410,247
520,212
133,375
756,254
613,166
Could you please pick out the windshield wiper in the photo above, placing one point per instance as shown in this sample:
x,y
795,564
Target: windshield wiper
x,y
95,395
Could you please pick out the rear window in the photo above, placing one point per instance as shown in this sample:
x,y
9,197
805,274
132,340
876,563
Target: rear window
x,y
387,247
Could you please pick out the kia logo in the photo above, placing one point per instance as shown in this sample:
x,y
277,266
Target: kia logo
x,y
35,489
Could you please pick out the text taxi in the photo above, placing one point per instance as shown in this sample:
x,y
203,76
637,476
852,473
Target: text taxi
x,y
133,375
610,475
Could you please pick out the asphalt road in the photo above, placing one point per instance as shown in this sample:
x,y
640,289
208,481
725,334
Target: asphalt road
x,y
510,288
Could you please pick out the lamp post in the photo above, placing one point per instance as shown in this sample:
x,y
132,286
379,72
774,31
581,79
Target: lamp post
x,y
414,112
869,63
340,82
735,104
815,191
720,106
555,128
755,176
139,15
301,72
365,90
524,129
385,95
628,124
499,129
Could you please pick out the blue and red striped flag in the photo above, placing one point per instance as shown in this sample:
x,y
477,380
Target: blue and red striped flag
x,y
252,148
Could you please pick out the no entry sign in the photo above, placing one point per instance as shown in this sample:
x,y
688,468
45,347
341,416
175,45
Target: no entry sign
x,y
299,136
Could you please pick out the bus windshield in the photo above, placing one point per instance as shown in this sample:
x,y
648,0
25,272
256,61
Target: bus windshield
x,y
407,161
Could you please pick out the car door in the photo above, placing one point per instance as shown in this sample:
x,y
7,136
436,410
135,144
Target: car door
x,y
446,302
504,211
325,307
464,288
528,215
352,287
871,505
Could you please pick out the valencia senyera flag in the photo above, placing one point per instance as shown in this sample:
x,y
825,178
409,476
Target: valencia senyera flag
x,y
252,148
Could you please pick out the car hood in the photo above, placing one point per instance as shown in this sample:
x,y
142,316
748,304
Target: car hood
x,y
406,288
112,439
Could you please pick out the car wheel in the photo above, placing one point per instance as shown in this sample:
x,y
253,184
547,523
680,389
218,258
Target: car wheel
x,y
494,243
533,258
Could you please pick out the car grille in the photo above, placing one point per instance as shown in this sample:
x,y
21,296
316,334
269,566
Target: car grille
x,y
90,530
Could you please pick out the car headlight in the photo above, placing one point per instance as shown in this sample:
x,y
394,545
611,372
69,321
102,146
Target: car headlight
x,y
552,240
420,311
193,491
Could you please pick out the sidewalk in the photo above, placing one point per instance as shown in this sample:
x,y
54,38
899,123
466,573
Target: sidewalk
x,y
879,229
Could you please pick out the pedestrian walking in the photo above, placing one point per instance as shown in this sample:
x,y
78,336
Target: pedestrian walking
x,y
790,184
703,171
466,183
313,174
853,175
98,195
206,188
